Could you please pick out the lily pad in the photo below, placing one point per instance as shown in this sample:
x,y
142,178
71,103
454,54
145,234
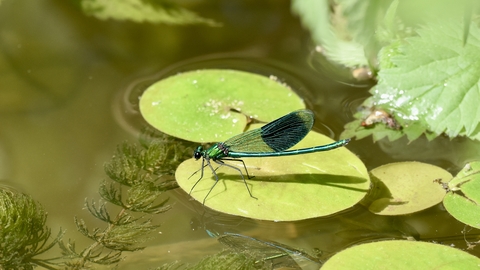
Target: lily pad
x,y
405,187
288,188
213,105
463,199
400,254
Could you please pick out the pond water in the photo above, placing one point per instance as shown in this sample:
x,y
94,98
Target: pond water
x,y
67,81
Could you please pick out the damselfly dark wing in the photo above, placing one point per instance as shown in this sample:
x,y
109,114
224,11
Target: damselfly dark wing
x,y
276,136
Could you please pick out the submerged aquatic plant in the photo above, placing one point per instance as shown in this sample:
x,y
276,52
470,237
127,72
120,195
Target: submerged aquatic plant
x,y
23,234
139,175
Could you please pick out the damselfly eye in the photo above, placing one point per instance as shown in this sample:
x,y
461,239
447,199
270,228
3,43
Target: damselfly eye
x,y
198,152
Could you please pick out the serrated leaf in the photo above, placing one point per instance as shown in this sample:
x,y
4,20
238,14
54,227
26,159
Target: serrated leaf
x,y
389,20
386,54
364,17
436,79
380,130
315,16
143,11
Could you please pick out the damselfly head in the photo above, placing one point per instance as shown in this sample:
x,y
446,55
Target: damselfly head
x,y
198,152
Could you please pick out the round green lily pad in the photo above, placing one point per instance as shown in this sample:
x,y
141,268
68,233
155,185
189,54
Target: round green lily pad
x,y
213,105
462,209
405,187
288,188
465,205
400,254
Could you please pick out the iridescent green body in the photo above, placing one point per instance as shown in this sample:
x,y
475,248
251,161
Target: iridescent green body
x,y
271,140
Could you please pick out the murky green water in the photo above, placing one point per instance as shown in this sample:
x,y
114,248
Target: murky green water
x,y
66,89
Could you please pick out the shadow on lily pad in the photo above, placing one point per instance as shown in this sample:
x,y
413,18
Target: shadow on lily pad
x,y
288,188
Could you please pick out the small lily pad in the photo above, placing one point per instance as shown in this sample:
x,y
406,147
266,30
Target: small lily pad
x,y
401,254
463,199
213,105
288,188
405,187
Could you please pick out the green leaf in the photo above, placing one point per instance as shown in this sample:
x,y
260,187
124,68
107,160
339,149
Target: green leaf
x,y
435,80
288,188
402,255
425,94
405,187
463,199
23,233
387,124
143,11
214,105
390,26
363,20
334,39
387,53
463,209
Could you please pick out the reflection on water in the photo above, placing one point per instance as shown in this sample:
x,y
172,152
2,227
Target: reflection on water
x,y
64,110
